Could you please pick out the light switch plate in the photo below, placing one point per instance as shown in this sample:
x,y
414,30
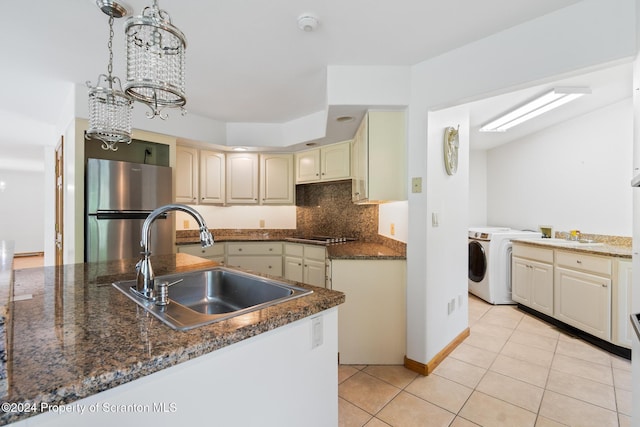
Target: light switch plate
x,y
416,184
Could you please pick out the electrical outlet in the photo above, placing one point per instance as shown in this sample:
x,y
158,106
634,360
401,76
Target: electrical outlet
x,y
392,229
185,224
262,223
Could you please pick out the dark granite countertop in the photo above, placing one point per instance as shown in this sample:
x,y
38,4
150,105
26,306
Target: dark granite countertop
x,y
362,251
77,335
345,250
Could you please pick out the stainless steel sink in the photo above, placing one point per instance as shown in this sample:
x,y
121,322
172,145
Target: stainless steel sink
x,y
207,296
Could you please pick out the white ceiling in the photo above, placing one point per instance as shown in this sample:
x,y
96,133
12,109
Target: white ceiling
x,y
247,61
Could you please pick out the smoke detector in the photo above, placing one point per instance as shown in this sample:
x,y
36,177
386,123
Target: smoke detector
x,y
307,23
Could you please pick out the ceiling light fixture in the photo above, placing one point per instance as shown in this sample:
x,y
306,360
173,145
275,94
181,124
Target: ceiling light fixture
x,y
540,105
344,119
155,61
109,107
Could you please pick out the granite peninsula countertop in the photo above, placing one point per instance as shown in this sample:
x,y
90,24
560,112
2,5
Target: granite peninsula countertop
x,y
603,248
77,335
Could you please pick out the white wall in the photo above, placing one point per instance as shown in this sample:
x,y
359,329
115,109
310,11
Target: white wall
x,y
572,176
478,188
395,213
240,217
21,208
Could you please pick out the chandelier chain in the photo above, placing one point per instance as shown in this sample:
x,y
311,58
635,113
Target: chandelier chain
x,y
110,46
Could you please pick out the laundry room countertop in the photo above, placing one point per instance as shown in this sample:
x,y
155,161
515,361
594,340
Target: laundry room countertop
x,y
608,246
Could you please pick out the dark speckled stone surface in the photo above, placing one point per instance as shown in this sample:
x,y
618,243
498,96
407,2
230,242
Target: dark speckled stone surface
x,y
78,335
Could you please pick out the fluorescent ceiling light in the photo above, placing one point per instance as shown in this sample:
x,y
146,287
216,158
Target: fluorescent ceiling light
x,y
540,105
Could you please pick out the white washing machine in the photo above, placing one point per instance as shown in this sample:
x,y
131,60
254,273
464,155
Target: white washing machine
x,y
490,262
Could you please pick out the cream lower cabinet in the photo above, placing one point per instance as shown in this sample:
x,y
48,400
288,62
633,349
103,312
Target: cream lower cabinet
x,y
372,321
532,278
305,263
582,292
214,253
261,257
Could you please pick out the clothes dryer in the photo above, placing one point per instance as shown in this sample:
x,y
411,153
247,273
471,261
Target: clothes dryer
x,y
490,262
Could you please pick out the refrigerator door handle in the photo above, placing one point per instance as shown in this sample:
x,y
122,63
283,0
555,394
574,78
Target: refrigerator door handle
x,y
124,215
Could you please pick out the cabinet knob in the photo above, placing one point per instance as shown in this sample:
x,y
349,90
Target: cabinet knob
x,y
579,262
269,266
604,285
239,249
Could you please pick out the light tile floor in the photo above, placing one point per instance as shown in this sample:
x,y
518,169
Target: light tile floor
x,y
513,370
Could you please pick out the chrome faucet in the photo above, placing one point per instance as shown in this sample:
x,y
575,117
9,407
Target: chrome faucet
x,y
144,272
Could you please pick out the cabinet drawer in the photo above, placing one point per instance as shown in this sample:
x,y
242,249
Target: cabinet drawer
x,y
260,264
532,252
590,263
217,250
315,252
266,248
294,249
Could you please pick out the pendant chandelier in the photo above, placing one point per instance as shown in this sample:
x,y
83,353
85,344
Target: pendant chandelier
x,y
109,107
155,61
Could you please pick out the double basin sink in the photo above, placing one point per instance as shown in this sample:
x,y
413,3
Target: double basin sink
x,y
202,297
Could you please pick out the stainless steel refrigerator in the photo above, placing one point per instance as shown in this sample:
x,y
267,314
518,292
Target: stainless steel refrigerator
x,y
119,197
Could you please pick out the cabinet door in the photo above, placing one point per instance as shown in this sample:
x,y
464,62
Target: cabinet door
x,y
308,166
276,179
293,269
583,300
314,273
242,178
335,161
520,281
359,164
541,287
212,177
621,329
186,175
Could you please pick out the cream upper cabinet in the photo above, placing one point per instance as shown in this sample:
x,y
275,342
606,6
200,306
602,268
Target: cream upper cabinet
x,y
308,166
242,178
212,177
276,179
335,161
379,158
186,174
582,285
328,163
